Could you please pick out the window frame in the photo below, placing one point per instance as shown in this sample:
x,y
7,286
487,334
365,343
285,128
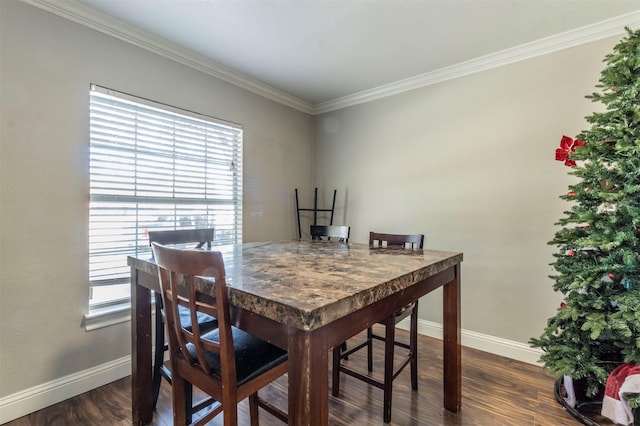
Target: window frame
x,y
214,198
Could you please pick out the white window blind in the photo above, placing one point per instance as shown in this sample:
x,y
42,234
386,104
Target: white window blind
x,y
155,167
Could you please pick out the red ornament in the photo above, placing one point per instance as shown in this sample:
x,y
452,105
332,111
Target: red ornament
x,y
571,193
567,146
563,304
611,275
571,253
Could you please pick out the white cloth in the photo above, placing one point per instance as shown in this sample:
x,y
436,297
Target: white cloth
x,y
623,380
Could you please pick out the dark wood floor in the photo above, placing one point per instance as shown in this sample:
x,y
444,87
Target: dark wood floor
x,y
495,391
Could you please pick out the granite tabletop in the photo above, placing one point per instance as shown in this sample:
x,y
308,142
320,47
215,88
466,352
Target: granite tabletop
x,y
307,284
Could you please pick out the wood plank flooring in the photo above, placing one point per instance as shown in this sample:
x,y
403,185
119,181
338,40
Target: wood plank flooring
x,y
496,391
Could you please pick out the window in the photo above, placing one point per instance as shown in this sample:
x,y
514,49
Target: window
x,y
154,167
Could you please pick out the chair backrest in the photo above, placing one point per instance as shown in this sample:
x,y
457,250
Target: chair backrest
x,y
412,241
178,269
201,236
330,231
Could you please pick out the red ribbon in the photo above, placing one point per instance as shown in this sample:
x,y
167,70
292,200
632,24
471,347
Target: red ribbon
x,y
567,146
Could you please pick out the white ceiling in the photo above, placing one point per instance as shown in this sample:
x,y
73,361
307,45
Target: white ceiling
x,y
321,51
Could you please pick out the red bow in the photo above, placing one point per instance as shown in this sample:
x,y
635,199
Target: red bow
x,y
567,146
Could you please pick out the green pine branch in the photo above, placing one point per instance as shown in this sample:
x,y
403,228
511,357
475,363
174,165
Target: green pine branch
x,y
597,262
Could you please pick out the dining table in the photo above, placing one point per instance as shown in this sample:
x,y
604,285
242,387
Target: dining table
x,y
307,297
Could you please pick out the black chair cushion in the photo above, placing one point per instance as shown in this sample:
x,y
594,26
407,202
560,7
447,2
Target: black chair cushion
x,y
253,355
207,322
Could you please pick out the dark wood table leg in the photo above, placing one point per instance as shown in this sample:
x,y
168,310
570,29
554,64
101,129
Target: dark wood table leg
x,y
141,394
308,379
452,344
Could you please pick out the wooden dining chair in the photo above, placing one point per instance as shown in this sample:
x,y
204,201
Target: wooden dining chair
x,y
341,232
201,237
227,363
380,241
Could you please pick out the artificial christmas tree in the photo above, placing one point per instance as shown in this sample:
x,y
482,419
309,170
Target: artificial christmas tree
x,y
597,327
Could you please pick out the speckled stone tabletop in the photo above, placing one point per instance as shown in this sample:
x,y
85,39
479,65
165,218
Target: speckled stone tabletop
x,y
307,284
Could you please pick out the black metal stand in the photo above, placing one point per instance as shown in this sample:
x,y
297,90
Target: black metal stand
x,y
315,209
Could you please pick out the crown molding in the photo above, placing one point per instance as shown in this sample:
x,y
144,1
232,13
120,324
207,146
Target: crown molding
x,y
105,24
598,31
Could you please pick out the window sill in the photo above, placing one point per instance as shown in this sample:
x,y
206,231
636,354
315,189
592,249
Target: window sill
x,y
104,317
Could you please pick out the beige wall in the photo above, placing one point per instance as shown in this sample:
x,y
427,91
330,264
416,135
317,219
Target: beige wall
x,y
469,163
46,66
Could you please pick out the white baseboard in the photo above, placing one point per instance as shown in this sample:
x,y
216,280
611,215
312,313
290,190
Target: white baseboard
x,y
38,397
484,342
41,396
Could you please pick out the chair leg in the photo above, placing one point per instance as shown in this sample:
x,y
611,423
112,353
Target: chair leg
x,y
158,362
413,343
159,355
253,409
230,411
370,349
188,401
389,346
335,386
178,397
